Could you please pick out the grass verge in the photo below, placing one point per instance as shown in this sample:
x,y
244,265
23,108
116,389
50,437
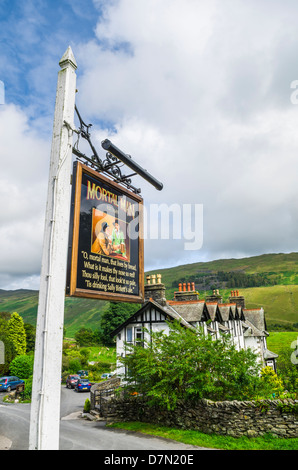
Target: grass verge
x,y
212,441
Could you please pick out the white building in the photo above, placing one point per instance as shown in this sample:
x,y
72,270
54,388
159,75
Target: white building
x,y
247,327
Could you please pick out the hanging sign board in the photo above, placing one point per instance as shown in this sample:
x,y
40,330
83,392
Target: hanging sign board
x,y
106,252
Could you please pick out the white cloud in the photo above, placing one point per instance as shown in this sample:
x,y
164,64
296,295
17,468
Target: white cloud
x,y
198,93
24,160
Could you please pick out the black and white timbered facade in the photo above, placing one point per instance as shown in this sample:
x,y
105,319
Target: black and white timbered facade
x,y
247,327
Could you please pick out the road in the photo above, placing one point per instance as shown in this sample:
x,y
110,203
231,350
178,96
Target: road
x,y
76,433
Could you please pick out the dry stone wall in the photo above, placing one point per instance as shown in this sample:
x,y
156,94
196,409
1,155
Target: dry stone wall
x,y
233,418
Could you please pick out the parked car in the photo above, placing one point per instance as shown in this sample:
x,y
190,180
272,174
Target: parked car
x,y
106,376
83,385
9,383
83,373
72,380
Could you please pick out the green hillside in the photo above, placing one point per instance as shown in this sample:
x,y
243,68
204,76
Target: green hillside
x,y
279,302
282,266
77,313
270,281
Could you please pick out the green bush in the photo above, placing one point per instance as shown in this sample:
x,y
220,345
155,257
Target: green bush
x,y
87,405
22,366
26,395
189,365
74,365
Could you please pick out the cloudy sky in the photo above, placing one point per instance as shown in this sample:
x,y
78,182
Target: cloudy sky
x,y
198,92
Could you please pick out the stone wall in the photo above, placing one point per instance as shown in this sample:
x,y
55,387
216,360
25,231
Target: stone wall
x,y
233,418
103,386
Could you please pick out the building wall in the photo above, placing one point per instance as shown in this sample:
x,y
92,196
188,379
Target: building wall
x,y
120,342
257,344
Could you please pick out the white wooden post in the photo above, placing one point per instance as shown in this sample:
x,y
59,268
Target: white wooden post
x,y
46,388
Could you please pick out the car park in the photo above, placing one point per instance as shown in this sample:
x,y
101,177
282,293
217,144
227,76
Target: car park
x,y
83,385
8,383
72,380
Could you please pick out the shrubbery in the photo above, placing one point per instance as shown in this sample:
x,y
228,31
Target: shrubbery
x,y
22,366
187,366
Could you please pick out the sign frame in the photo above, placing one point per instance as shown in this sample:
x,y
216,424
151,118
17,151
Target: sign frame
x,y
72,288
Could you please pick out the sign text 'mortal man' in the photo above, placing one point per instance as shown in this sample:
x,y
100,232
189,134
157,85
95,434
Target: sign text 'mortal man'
x,y
95,191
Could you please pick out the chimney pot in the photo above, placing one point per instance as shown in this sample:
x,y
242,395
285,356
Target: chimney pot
x,y
188,286
236,298
158,278
193,286
153,277
180,287
184,287
148,279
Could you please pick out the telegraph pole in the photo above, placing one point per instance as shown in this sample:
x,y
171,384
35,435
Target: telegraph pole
x,y
46,388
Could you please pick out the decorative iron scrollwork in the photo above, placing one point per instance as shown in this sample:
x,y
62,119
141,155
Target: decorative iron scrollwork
x,y
111,166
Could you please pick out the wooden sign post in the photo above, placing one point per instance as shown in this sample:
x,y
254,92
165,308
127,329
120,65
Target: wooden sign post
x,y
46,388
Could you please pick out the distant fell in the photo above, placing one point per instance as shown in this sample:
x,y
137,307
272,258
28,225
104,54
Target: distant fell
x,y
269,280
77,313
276,263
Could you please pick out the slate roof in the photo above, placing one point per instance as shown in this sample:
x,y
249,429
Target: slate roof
x,y
189,312
225,311
251,330
255,316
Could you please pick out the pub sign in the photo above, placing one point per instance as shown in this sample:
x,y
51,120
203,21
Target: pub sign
x,y
106,251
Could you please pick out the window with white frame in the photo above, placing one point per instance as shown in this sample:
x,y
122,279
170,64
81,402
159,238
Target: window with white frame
x,y
135,335
139,336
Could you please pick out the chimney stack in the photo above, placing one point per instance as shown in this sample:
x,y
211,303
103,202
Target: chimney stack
x,y
155,290
187,293
215,297
237,299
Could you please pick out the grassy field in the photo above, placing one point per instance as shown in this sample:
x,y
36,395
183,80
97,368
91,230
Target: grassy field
x,y
102,354
278,341
212,441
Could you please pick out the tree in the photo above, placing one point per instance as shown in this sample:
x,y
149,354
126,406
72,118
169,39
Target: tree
x,y
16,333
271,381
186,364
116,314
30,337
84,352
287,369
85,337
